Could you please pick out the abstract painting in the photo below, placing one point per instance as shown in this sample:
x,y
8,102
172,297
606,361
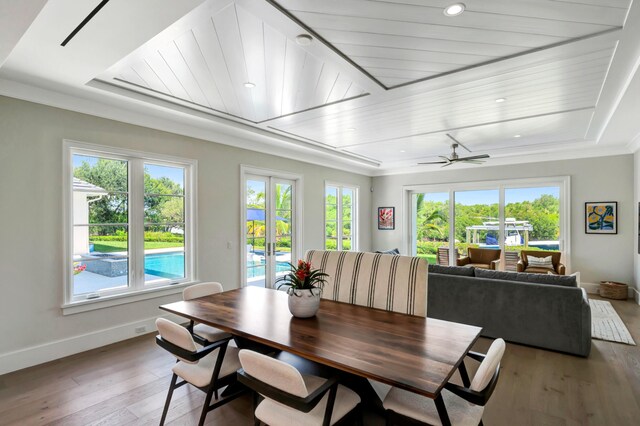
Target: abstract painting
x,y
601,217
386,218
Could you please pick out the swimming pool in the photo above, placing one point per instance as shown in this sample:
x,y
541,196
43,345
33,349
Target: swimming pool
x,y
165,265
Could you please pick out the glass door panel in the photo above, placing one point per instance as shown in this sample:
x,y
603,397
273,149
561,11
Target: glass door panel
x,y
283,229
477,222
532,221
256,226
431,235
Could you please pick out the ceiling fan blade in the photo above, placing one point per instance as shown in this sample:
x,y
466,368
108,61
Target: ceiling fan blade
x,y
448,164
435,162
475,157
458,142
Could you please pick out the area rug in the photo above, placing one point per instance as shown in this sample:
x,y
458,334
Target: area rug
x,y
607,325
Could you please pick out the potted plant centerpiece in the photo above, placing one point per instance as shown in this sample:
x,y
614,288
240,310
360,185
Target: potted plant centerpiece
x,y
304,289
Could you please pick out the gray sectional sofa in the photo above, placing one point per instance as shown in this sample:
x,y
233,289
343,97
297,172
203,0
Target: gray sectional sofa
x,y
545,311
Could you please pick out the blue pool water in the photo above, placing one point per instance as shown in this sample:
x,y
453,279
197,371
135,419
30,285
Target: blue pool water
x,y
259,270
165,265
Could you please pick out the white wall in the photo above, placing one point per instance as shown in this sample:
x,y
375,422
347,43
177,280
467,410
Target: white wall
x,y
597,257
31,261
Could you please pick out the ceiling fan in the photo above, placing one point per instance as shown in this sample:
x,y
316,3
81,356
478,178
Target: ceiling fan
x,y
455,158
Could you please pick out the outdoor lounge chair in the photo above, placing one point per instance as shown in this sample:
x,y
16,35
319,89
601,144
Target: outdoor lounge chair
x,y
480,258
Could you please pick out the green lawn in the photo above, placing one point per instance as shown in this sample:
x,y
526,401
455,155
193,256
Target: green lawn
x,y
431,258
111,246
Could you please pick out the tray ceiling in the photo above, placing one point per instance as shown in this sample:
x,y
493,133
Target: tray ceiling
x,y
207,58
402,41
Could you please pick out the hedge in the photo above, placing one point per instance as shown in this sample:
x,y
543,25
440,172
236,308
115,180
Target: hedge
x,y
148,236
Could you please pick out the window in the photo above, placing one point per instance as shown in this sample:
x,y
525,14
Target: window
x,y
341,204
130,224
524,214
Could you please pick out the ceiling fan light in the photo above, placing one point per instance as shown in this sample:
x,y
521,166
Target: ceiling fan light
x,y
249,85
454,9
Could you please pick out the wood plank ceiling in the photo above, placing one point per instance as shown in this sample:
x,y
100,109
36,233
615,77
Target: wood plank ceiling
x,y
395,76
208,63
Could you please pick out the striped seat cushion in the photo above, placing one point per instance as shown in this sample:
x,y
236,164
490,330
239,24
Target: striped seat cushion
x,y
383,281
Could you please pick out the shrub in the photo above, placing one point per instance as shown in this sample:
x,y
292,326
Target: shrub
x,y
148,236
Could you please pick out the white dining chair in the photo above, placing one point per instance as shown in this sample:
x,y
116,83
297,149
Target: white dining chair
x,y
291,398
202,333
208,368
464,405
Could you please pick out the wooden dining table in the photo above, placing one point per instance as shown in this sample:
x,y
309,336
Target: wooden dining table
x,y
413,353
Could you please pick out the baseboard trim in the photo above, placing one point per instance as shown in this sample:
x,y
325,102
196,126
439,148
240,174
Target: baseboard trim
x,y
50,351
593,288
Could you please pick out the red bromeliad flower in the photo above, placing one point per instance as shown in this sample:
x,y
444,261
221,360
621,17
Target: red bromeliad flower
x,y
302,276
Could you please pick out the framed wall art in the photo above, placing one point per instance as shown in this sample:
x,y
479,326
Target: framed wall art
x,y
601,217
386,218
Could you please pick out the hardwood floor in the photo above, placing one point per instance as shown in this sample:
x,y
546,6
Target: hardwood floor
x,y
126,384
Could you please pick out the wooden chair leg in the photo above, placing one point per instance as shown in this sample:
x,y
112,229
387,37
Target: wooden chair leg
x,y
174,379
205,407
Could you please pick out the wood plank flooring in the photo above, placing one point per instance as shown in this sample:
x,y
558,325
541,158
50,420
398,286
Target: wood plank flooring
x,y
126,384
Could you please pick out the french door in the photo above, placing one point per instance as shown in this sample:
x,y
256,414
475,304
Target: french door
x,y
270,223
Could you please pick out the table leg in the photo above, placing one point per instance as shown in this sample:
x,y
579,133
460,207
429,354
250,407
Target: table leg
x,y
442,411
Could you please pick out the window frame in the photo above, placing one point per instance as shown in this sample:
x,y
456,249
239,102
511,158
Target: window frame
x,y
136,288
563,182
354,215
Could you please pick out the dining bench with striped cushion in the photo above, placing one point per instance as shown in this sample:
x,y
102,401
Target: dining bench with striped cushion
x,y
383,281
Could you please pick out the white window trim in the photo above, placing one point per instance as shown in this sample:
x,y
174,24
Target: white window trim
x,y
137,290
563,182
354,215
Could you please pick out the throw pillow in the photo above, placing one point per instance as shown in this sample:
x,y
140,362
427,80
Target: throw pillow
x,y
540,262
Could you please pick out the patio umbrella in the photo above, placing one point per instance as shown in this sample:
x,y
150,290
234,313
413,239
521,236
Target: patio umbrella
x,y
254,214
259,214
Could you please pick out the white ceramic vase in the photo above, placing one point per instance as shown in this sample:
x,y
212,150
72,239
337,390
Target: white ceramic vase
x,y
304,303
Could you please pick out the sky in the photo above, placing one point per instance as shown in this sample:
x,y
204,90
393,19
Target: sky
x,y
513,195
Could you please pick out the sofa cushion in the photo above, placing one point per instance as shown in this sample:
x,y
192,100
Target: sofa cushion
x,y
568,281
451,270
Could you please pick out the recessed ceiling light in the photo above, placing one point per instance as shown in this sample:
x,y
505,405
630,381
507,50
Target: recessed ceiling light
x,y
304,39
454,10
500,100
249,85
516,136
351,129
402,150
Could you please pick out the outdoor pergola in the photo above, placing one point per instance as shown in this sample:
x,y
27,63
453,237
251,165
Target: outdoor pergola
x,y
522,226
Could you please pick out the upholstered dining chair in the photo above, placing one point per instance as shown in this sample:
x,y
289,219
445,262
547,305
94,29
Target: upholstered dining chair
x,y
291,398
464,405
202,333
208,368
